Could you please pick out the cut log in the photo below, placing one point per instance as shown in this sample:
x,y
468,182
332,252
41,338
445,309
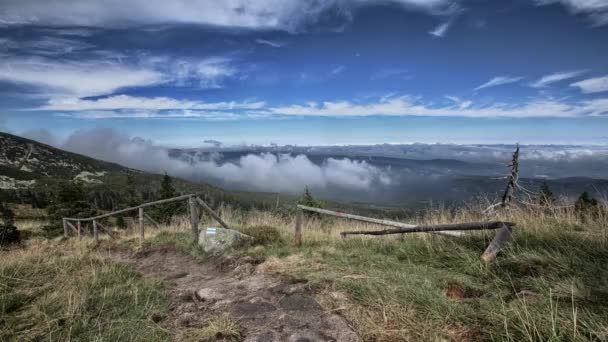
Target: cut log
x,y
434,228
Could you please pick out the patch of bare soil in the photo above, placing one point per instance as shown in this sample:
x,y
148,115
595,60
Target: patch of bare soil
x,y
267,308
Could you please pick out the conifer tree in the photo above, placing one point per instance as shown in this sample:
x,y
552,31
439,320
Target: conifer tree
x,y
308,200
8,232
69,200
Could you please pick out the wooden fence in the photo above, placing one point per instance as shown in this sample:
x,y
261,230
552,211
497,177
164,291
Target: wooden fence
x,y
500,239
193,202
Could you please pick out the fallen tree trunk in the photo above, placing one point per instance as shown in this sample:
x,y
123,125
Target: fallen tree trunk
x,y
433,228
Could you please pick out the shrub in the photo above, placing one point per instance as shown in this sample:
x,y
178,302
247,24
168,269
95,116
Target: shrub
x,y
8,232
263,235
310,201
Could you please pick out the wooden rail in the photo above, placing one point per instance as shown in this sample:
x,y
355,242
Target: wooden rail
x,y
373,220
193,202
500,239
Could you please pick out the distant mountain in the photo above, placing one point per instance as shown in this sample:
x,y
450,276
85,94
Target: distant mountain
x,y
27,165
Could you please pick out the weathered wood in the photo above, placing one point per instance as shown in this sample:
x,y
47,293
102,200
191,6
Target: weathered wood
x,y
141,225
95,233
500,239
105,229
297,236
65,228
71,226
78,226
151,220
371,220
168,200
435,227
193,219
211,212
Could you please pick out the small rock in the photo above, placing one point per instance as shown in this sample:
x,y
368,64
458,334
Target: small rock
x,y
219,240
243,271
208,295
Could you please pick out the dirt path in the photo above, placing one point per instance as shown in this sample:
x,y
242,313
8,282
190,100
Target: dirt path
x,y
266,308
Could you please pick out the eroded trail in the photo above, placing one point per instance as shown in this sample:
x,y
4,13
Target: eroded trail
x,y
266,308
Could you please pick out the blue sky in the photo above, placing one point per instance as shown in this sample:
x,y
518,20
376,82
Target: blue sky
x,y
308,72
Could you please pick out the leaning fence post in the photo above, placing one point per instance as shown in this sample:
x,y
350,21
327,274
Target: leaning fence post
x,y
501,237
78,228
297,237
193,219
141,225
95,232
65,228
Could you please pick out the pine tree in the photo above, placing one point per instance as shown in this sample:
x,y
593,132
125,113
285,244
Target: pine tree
x,y
8,232
308,200
545,197
69,200
133,198
164,212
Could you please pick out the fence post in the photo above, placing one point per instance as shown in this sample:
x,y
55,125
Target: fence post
x,y
78,228
297,237
95,232
65,228
501,237
193,219
141,226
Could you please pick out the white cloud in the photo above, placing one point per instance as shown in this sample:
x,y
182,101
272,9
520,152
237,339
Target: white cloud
x,y
142,103
408,106
260,14
79,79
272,43
597,10
592,85
107,75
208,72
500,80
338,69
440,30
555,77
264,171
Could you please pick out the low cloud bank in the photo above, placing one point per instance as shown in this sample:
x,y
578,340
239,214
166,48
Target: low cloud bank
x,y
261,172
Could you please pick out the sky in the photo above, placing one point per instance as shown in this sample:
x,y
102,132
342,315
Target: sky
x,y
323,72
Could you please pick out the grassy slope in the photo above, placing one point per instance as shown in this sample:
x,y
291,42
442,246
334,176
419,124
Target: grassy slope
x,y
550,284
64,292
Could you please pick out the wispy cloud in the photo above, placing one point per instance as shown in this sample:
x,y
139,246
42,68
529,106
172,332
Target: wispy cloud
x,y
596,10
593,85
556,77
412,106
272,43
498,81
124,102
44,46
68,78
105,76
440,30
338,69
290,15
